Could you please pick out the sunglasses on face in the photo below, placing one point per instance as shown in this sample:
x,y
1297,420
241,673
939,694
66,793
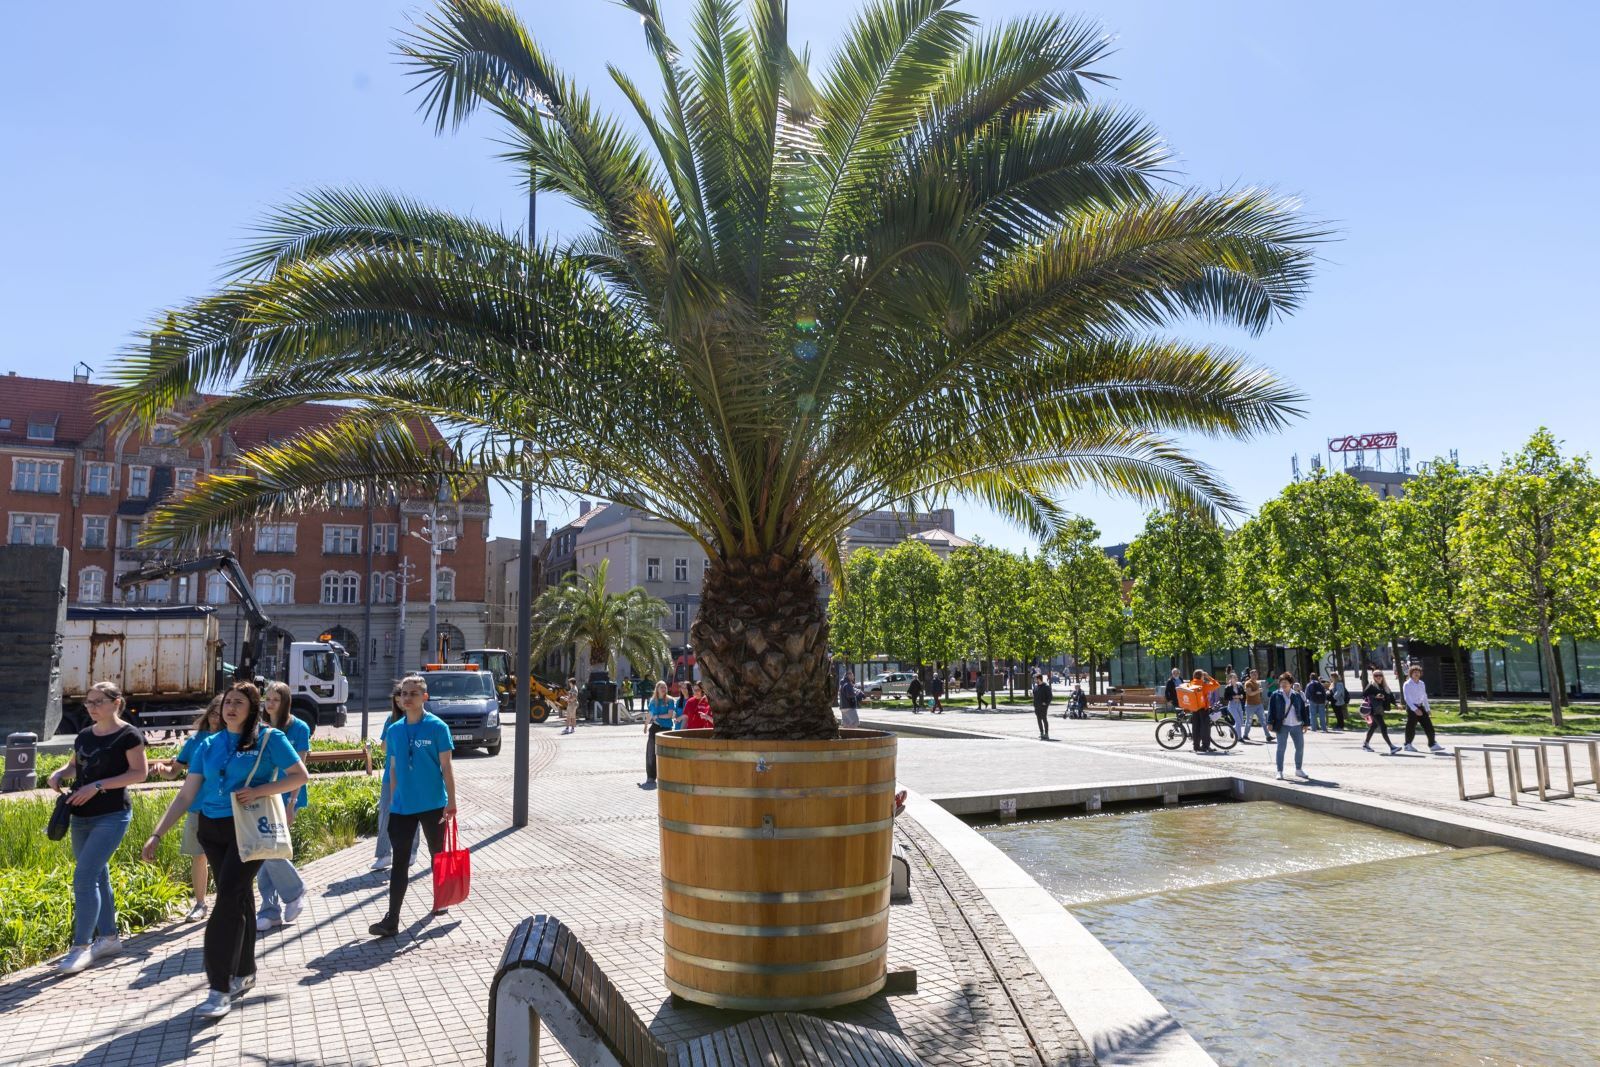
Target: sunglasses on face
x,y
94,702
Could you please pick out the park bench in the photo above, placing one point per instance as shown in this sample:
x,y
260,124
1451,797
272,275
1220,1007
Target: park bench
x,y
356,755
547,978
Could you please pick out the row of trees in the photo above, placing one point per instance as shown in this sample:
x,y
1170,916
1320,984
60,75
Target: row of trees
x,y
1465,559
984,603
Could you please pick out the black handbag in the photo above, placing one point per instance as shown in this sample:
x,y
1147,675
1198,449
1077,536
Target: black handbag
x,y
60,819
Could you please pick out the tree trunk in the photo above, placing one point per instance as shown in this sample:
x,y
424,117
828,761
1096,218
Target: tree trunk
x,y
762,642
1552,675
1488,676
1461,674
1561,676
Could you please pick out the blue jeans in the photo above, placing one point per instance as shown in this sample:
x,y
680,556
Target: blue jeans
x,y
1286,733
1236,710
1319,717
94,839
385,846
1254,713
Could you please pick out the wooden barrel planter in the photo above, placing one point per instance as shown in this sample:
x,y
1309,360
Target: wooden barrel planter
x,y
775,868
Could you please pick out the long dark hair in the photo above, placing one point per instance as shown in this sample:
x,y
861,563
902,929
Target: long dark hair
x,y
252,723
285,703
213,709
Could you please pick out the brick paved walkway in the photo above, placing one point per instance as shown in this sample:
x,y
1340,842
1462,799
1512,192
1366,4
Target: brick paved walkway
x,y
329,994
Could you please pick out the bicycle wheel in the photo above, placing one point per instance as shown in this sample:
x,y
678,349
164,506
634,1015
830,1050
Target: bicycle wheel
x,y
1223,735
1171,734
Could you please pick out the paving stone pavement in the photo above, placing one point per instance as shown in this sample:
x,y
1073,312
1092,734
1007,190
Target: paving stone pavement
x,y
327,993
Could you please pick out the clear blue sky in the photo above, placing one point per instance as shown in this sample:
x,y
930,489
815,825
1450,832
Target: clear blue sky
x,y
1452,144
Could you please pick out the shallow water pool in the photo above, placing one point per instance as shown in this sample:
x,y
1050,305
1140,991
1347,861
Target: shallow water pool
x,y
1280,936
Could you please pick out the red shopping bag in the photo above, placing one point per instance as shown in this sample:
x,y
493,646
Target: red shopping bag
x,y
452,871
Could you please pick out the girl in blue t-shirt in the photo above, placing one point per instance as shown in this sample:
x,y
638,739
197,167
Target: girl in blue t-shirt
x,y
249,760
422,788
209,722
283,891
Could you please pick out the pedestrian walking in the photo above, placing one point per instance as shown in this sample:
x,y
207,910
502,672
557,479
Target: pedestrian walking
x,y
1378,700
283,891
1288,715
849,701
1317,702
1339,698
1233,700
418,754
1194,699
569,706
209,722
108,755
384,850
936,694
662,713
697,709
1253,712
247,760
914,691
1042,696
980,688
1415,693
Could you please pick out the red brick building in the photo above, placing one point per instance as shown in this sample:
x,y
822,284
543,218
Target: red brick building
x,y
70,477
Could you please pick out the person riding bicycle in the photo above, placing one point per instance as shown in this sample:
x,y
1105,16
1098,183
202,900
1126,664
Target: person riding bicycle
x,y
1194,698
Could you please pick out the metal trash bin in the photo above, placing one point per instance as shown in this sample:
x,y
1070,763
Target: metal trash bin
x,y
22,753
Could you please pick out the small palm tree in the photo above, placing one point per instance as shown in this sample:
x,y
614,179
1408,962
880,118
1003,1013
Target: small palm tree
x,y
581,611
939,266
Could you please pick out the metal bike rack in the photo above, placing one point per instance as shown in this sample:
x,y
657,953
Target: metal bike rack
x,y
1592,743
1542,762
1488,770
1541,780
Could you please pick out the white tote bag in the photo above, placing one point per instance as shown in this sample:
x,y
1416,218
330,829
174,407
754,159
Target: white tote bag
x,y
262,826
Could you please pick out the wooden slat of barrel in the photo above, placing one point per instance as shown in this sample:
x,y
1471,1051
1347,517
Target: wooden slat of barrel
x,y
775,867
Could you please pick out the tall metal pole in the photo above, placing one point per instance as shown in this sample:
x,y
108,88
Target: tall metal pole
x,y
433,579
366,625
524,661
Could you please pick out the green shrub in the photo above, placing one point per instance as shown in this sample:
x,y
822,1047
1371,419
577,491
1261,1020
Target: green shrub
x,y
36,873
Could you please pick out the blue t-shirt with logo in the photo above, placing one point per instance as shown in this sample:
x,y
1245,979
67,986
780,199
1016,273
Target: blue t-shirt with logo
x,y
300,738
187,750
411,759
227,770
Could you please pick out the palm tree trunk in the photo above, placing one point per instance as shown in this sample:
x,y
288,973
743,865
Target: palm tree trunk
x,y
762,641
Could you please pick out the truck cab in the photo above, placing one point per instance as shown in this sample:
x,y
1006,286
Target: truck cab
x,y
317,682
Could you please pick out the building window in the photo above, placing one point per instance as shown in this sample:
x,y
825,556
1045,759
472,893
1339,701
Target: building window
x,y
275,537
42,427
680,569
183,478
91,586
385,588
222,538
216,589
94,531
341,540
29,529
164,435
138,482
386,537
680,617
447,584
36,475
350,495
446,532
342,588
652,568
274,587
97,479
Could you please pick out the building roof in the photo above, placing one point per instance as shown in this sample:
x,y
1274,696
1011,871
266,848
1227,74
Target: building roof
x,y
942,537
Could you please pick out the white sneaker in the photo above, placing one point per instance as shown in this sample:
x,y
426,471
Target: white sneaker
x,y
1438,748
266,922
293,908
238,987
1410,747
1281,778
196,913
76,960
380,865
215,1006
1302,774
105,946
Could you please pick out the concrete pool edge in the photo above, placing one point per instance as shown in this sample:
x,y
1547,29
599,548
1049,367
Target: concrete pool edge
x,y
1121,1020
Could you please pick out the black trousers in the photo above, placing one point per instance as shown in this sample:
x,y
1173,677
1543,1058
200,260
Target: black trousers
x,y
1200,730
1381,725
1338,715
402,832
1425,718
230,942
650,751
1042,713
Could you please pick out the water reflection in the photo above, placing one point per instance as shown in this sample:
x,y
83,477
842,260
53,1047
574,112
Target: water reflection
x,y
1278,936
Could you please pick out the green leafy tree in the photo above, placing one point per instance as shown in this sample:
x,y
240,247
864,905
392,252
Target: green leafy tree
x,y
1528,528
982,589
1308,569
1425,547
1087,613
935,265
907,585
1034,634
580,611
854,611
1179,571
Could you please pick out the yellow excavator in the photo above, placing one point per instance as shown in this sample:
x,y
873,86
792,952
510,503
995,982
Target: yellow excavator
x,y
543,699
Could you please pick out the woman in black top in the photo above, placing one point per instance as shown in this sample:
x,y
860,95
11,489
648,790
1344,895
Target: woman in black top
x,y
1380,698
107,757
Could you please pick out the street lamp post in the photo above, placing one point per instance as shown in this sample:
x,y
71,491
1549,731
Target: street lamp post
x,y
524,663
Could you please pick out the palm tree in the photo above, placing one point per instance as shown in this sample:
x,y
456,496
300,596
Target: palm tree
x,y
937,267
581,611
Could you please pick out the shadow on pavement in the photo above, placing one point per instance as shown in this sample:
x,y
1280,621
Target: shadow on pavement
x,y
369,953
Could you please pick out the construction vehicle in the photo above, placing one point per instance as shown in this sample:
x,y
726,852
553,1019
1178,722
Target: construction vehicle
x,y
542,698
314,670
